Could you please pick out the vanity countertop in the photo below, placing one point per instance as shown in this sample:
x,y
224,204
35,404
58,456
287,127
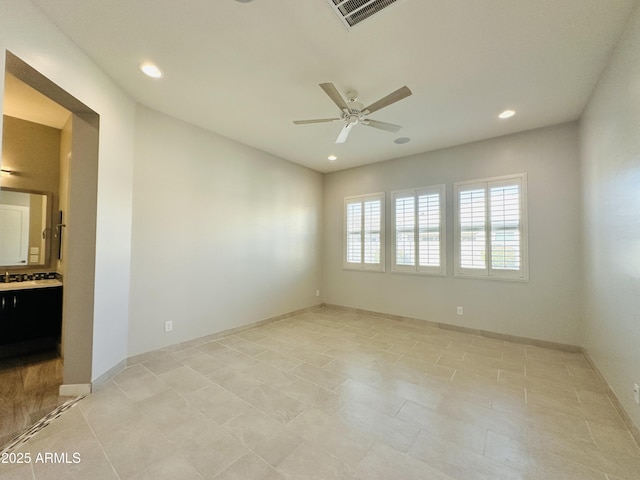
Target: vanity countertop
x,y
4,287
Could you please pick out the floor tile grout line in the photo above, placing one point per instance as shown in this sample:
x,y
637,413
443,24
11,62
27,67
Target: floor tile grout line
x,y
95,435
593,438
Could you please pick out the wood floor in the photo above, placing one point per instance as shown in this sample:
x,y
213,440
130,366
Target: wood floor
x,y
28,391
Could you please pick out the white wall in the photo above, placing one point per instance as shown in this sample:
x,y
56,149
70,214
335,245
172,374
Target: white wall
x,y
610,133
224,235
33,38
545,308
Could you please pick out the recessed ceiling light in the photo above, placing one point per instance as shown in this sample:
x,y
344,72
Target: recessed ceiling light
x,y
507,114
332,158
150,70
402,140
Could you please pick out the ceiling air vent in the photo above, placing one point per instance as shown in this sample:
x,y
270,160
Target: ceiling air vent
x,y
352,12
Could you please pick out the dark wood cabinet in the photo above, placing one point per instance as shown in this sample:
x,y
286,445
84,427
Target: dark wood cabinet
x,y
30,319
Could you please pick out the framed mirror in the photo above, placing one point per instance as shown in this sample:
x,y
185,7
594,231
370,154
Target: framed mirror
x,y
25,228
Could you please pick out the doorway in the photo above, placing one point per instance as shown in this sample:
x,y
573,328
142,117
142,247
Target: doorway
x,y
74,256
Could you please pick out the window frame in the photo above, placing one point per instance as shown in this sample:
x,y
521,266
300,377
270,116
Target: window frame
x,y
415,194
489,272
362,265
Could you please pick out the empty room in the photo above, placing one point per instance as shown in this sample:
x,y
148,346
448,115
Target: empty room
x,y
320,239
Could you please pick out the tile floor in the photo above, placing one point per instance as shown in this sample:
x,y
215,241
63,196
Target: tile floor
x,y
28,391
338,395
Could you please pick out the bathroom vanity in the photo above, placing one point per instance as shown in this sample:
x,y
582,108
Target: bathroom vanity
x,y
30,316
30,292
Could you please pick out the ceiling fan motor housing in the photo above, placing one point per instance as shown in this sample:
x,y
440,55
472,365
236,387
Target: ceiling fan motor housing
x,y
352,118
354,112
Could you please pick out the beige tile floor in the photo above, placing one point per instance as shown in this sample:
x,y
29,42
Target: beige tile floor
x,y
337,395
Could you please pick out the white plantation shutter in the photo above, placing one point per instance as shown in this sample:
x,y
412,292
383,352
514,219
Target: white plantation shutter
x,y
405,231
419,230
491,228
472,221
364,232
354,232
505,227
372,227
430,229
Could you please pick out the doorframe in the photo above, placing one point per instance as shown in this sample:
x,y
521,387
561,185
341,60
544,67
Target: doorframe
x,y
80,231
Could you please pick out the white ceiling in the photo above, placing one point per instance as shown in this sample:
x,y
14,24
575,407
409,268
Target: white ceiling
x,y
246,70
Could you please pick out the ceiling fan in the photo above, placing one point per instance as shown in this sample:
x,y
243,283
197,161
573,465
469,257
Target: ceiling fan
x,y
354,112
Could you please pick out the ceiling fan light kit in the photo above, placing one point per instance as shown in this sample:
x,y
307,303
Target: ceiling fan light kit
x,y
353,112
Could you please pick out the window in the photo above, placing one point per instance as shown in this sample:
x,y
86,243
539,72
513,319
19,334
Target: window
x,y
491,228
364,232
418,232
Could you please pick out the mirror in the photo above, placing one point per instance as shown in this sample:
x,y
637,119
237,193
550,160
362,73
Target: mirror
x,y
25,228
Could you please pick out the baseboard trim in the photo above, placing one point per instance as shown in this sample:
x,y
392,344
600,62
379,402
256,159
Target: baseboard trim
x,y
74,390
515,339
143,357
103,379
617,404
472,331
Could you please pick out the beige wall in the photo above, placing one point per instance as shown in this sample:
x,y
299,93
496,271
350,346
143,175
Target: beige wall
x,y
610,132
223,234
32,150
548,307
80,238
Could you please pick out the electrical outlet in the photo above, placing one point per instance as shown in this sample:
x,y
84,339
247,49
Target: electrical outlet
x,y
636,392
168,326
459,310
317,293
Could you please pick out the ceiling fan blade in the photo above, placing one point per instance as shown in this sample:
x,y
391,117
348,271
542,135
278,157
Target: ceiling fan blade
x,y
319,120
344,133
389,127
331,90
399,94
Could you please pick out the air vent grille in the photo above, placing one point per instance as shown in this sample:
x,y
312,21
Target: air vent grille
x,y
352,12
